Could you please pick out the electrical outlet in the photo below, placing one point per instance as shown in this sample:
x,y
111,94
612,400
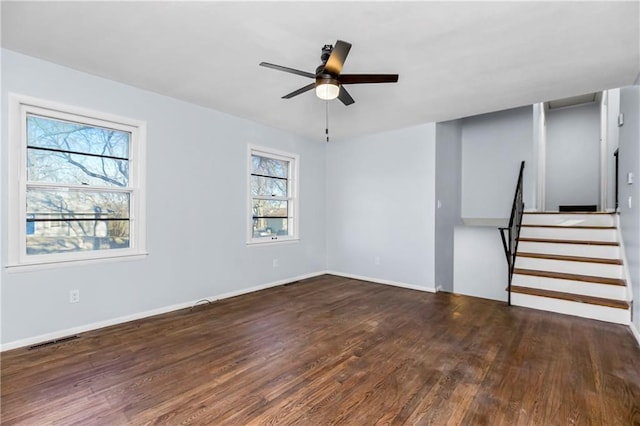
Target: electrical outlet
x,y
376,260
275,263
74,296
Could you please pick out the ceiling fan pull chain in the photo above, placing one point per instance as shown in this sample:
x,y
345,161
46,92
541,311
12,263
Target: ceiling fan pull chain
x,y
326,129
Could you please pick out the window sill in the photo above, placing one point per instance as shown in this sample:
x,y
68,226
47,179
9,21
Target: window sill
x,y
270,241
29,267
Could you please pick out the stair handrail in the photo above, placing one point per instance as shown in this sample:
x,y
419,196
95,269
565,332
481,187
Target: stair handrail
x,y
510,244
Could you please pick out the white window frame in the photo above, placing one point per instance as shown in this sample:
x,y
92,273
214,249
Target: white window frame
x,y
19,107
292,181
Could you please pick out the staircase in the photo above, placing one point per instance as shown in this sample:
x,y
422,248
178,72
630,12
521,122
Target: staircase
x,y
571,263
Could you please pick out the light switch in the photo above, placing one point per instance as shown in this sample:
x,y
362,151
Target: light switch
x,y
629,201
629,178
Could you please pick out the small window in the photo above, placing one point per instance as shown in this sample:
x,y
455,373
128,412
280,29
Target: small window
x,y
273,177
79,194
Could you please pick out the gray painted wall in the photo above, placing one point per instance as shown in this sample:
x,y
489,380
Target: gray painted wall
x,y
493,145
480,267
448,173
613,110
381,205
196,203
535,168
630,163
573,156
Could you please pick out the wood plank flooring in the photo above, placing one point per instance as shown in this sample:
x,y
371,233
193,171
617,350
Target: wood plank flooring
x,y
332,350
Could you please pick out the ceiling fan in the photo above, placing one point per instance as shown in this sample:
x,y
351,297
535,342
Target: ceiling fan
x,y
329,83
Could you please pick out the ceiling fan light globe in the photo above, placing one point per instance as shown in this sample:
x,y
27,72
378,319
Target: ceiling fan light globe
x,y
327,91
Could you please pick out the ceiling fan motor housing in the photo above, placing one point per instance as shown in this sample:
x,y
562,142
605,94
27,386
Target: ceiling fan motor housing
x,y
326,79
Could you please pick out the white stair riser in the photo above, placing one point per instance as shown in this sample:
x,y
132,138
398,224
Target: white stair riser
x,y
569,234
569,219
584,250
585,310
569,286
570,267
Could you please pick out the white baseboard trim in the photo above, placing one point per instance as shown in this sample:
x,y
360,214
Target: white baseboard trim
x,y
635,332
381,281
140,315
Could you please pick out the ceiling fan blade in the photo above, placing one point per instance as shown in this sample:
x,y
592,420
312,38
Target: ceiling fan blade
x,y
299,91
336,59
287,69
368,78
345,97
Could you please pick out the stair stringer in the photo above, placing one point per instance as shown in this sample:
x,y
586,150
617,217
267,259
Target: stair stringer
x,y
625,264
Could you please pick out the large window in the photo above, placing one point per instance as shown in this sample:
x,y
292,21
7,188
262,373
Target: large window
x,y
75,184
273,178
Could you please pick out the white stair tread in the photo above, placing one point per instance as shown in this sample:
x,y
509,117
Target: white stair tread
x,y
585,310
569,249
568,219
567,233
606,291
570,267
569,276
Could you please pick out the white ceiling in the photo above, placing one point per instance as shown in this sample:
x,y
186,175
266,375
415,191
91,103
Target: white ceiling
x,y
454,59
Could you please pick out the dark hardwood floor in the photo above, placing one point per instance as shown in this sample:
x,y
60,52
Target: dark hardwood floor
x,y
332,350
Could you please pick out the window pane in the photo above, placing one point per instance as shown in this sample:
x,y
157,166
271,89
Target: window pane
x,y
268,186
46,203
270,208
65,136
78,169
269,167
269,227
74,236
64,221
